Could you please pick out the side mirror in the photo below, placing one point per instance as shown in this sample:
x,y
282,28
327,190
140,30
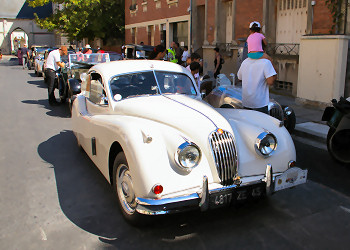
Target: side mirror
x,y
203,94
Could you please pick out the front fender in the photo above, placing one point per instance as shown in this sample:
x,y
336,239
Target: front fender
x,y
247,125
150,149
74,86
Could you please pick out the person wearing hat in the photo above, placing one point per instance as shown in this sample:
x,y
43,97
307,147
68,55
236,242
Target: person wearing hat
x,y
87,49
54,63
255,42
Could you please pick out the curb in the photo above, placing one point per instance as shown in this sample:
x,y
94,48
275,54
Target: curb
x,y
312,130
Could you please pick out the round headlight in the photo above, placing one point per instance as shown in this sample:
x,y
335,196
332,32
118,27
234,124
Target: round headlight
x,y
265,144
188,156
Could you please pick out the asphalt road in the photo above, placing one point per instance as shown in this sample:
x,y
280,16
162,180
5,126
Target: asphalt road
x,y
52,196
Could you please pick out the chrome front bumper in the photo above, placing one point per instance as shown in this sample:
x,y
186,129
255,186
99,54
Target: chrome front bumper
x,y
199,199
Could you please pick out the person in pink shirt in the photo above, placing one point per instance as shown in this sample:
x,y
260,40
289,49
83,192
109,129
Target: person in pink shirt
x,y
255,42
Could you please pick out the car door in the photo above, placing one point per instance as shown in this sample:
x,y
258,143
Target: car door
x,y
96,105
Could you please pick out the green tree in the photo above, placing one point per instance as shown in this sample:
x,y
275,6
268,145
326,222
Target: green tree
x,y
79,19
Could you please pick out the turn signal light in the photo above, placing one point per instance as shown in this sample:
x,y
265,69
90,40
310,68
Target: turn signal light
x,y
292,164
220,131
157,189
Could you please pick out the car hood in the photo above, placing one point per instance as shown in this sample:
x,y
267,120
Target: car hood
x,y
189,115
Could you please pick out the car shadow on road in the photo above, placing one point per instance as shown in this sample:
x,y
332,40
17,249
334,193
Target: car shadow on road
x,y
61,110
39,83
87,200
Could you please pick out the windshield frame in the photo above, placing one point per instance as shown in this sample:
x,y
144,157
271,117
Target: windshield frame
x,y
158,91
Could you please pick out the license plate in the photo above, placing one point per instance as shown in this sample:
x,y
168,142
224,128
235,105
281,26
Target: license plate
x,y
292,177
220,199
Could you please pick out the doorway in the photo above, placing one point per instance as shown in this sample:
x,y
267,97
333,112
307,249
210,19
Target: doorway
x,y
18,39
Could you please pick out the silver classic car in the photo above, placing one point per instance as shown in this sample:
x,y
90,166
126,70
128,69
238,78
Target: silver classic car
x,y
164,150
221,95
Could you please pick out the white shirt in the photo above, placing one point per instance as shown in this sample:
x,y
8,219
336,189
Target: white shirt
x,y
52,59
253,73
185,54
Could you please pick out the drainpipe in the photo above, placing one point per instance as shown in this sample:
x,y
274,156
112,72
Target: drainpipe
x,y
313,3
191,11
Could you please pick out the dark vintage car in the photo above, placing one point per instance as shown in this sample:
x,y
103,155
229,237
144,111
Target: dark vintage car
x,y
69,78
134,51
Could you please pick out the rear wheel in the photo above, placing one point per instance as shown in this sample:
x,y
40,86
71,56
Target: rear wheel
x,y
338,145
124,189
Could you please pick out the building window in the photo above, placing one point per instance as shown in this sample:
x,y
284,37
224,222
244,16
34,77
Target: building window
x,y
284,4
158,4
280,4
172,2
133,5
288,4
292,4
144,5
304,3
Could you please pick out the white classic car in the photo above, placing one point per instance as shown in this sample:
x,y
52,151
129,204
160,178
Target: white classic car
x,y
144,125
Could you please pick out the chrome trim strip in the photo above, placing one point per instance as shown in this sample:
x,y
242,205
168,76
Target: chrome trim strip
x,y
161,202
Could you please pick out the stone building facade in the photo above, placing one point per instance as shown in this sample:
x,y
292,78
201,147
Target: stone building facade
x,y
18,27
225,24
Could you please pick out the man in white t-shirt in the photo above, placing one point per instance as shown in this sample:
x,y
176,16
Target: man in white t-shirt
x,y
53,63
256,75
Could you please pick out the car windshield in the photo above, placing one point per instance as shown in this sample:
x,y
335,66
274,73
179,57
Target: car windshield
x,y
115,57
151,83
84,60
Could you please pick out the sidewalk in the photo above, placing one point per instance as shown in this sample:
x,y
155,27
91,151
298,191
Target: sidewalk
x,y
308,118
6,59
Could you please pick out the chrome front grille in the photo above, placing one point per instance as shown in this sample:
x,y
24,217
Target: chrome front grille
x,y
225,156
276,112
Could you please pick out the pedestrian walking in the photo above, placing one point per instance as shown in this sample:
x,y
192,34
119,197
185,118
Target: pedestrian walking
x,y
218,62
25,55
54,63
256,75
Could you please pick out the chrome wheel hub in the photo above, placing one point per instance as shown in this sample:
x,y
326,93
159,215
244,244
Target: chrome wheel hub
x,y
125,189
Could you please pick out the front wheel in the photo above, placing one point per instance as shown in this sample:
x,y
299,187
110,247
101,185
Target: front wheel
x,y
289,120
124,189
